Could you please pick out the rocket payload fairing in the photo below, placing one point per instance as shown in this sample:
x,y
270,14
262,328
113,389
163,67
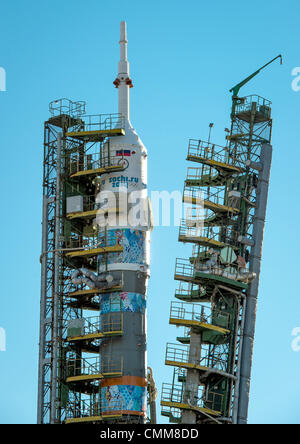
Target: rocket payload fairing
x,y
124,195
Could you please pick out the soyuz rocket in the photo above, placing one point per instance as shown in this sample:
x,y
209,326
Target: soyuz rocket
x,y
131,230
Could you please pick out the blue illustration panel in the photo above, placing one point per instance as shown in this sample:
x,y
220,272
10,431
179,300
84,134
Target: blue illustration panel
x,y
124,302
134,247
124,397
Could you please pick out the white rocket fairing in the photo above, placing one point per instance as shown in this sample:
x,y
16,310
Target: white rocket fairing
x,y
129,185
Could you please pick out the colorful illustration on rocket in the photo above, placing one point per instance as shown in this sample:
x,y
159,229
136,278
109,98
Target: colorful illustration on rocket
x,y
116,302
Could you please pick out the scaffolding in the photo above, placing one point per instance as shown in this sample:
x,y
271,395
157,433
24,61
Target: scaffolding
x,y
227,197
76,150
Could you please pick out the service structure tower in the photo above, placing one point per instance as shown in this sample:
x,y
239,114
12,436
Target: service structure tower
x,y
95,266
218,283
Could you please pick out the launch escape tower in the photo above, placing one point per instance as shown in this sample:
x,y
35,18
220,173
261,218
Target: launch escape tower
x,y
95,267
218,284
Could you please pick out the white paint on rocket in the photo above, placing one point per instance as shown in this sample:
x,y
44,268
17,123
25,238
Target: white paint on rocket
x,y
133,179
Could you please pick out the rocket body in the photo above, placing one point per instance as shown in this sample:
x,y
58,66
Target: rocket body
x,y
130,227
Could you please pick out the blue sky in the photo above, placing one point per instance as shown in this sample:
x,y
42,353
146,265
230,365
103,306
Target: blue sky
x,y
184,56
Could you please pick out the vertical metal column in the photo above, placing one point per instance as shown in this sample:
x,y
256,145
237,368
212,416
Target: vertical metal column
x,y
192,379
255,266
56,302
43,320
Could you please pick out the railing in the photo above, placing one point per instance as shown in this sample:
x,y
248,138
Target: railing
x,y
112,322
174,414
93,366
216,267
94,122
180,372
93,406
196,312
83,366
262,105
82,242
214,401
94,161
180,354
192,395
184,268
198,174
102,239
210,151
66,106
186,290
94,324
193,229
215,195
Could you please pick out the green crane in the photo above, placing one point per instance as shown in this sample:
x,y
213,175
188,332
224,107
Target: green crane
x,y
235,90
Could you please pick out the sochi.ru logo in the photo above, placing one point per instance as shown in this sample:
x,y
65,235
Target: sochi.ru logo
x,y
2,79
296,341
2,340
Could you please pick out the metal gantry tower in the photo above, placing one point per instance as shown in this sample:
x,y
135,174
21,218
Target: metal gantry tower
x,y
95,267
69,353
217,294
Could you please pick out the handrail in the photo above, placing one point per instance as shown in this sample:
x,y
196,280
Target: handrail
x,y
245,103
175,393
101,239
197,312
94,122
95,161
66,106
95,324
194,228
236,272
93,366
180,354
93,406
210,151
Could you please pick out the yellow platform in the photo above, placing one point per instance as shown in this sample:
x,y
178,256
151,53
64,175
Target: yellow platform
x,y
86,419
97,135
82,214
184,278
188,365
199,325
202,241
93,377
99,171
215,164
207,370
93,336
85,378
216,208
95,251
92,292
93,213
181,405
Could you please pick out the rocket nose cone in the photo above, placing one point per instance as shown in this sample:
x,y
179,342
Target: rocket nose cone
x,y
123,32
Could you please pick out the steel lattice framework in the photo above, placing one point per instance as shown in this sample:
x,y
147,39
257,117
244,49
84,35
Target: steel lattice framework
x,y
219,282
54,312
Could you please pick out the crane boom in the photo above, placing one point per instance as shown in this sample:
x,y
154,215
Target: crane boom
x,y
235,90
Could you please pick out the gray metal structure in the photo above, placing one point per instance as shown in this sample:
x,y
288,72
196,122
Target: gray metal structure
x,y
212,374
93,369
264,171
